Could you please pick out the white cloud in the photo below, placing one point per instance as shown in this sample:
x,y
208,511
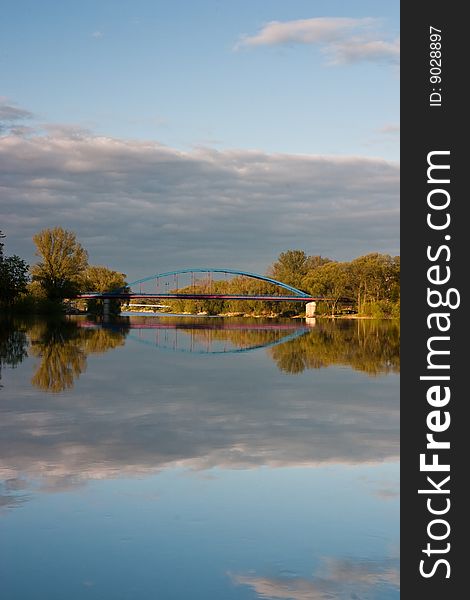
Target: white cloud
x,y
391,128
304,31
357,50
343,40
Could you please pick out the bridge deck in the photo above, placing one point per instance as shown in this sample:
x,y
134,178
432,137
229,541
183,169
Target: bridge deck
x,y
130,296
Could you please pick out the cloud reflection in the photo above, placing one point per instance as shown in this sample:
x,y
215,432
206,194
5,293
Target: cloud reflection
x,y
337,579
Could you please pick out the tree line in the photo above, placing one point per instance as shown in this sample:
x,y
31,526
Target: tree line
x,y
368,285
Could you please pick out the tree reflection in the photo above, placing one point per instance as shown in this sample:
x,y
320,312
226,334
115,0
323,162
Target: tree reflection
x,y
239,339
13,344
369,346
63,348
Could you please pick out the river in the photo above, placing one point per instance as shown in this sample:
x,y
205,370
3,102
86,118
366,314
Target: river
x,y
176,458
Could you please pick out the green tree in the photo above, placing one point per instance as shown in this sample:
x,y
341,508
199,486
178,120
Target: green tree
x,y
291,267
62,265
13,276
375,277
393,280
331,280
97,278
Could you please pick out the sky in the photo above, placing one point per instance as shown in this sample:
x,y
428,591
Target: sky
x,y
200,134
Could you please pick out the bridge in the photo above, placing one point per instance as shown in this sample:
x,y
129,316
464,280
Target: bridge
x,y
172,289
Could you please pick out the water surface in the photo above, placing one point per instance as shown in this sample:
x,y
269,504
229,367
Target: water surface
x,y
176,458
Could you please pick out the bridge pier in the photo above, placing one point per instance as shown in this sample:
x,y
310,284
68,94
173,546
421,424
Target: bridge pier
x,y
310,309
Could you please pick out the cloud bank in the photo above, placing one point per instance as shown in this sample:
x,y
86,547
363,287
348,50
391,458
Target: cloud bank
x,y
342,40
142,207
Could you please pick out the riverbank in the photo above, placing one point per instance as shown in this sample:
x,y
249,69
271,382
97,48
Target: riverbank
x,y
254,315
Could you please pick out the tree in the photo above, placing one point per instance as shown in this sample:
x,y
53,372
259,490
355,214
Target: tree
x,y
13,276
331,280
375,277
291,267
97,278
62,265
313,262
2,235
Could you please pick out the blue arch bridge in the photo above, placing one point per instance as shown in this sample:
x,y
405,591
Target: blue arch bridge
x,y
171,290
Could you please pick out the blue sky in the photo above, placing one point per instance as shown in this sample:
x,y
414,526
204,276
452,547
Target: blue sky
x,y
204,76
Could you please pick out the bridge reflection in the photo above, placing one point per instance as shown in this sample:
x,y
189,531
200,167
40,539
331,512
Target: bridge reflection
x,y
207,337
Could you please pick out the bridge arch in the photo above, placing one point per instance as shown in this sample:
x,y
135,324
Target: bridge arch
x,y
298,293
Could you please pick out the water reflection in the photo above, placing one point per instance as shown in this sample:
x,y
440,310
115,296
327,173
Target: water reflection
x,y
365,345
159,409
369,346
255,474
13,344
63,347
336,578
13,350
216,336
